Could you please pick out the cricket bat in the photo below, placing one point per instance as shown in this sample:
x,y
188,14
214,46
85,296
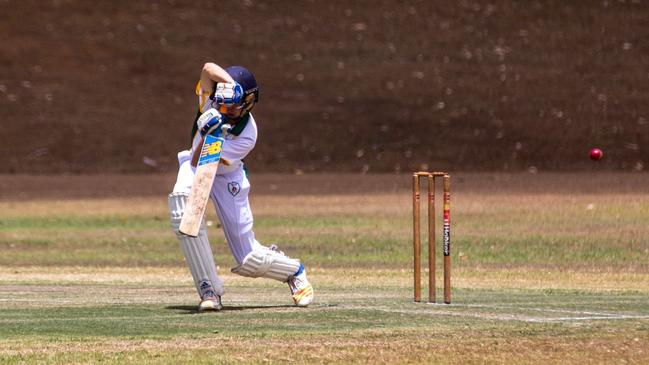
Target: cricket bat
x,y
206,167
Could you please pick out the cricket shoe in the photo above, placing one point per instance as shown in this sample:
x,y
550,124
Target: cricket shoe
x,y
210,300
301,289
210,304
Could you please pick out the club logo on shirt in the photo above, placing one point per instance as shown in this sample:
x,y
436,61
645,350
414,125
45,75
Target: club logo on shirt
x,y
234,188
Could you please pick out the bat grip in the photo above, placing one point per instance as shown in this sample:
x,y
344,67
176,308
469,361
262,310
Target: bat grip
x,y
220,130
225,129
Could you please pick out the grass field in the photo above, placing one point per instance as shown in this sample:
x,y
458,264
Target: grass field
x,y
546,269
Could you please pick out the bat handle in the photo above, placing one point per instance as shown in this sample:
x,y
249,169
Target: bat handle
x,y
225,129
220,130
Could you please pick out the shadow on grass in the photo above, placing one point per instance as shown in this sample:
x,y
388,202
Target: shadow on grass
x,y
192,309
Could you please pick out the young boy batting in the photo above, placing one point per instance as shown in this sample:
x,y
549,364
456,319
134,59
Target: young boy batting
x,y
226,96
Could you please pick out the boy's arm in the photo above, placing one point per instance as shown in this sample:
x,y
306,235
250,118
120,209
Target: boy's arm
x,y
213,74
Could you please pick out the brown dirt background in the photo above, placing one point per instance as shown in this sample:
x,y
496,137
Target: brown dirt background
x,y
362,86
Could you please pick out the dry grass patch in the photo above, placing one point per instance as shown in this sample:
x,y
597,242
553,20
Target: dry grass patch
x,y
375,346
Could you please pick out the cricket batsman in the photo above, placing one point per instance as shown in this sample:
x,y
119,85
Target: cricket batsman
x,y
228,95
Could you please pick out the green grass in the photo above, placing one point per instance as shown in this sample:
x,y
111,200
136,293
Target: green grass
x,y
537,278
168,330
500,237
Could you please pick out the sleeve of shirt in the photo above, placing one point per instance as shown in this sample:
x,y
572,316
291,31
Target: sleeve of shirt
x,y
238,148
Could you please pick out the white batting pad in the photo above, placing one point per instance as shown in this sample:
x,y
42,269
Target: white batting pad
x,y
197,251
267,263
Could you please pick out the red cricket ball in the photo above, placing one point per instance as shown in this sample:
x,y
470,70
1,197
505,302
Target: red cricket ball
x,y
596,154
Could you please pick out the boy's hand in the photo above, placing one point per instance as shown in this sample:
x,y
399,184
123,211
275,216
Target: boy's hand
x,y
228,94
208,120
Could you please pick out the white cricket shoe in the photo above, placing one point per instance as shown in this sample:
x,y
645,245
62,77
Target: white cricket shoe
x,y
210,304
301,289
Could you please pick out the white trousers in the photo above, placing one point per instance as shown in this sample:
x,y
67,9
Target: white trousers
x,y
230,197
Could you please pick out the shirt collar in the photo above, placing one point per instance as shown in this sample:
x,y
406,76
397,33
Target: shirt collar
x,y
241,125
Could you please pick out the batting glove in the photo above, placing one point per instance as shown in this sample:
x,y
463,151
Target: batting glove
x,y
228,94
208,120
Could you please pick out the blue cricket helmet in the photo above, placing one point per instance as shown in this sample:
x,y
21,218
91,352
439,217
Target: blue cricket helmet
x,y
247,80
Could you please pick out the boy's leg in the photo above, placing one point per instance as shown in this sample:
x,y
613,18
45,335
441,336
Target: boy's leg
x,y
197,250
270,263
230,195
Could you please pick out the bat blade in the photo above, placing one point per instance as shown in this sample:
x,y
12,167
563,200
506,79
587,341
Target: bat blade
x,y
206,167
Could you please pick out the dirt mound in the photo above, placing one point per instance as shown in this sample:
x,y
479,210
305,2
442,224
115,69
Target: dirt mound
x,y
89,87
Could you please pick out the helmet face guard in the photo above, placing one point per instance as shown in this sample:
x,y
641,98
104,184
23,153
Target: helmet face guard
x,y
247,80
